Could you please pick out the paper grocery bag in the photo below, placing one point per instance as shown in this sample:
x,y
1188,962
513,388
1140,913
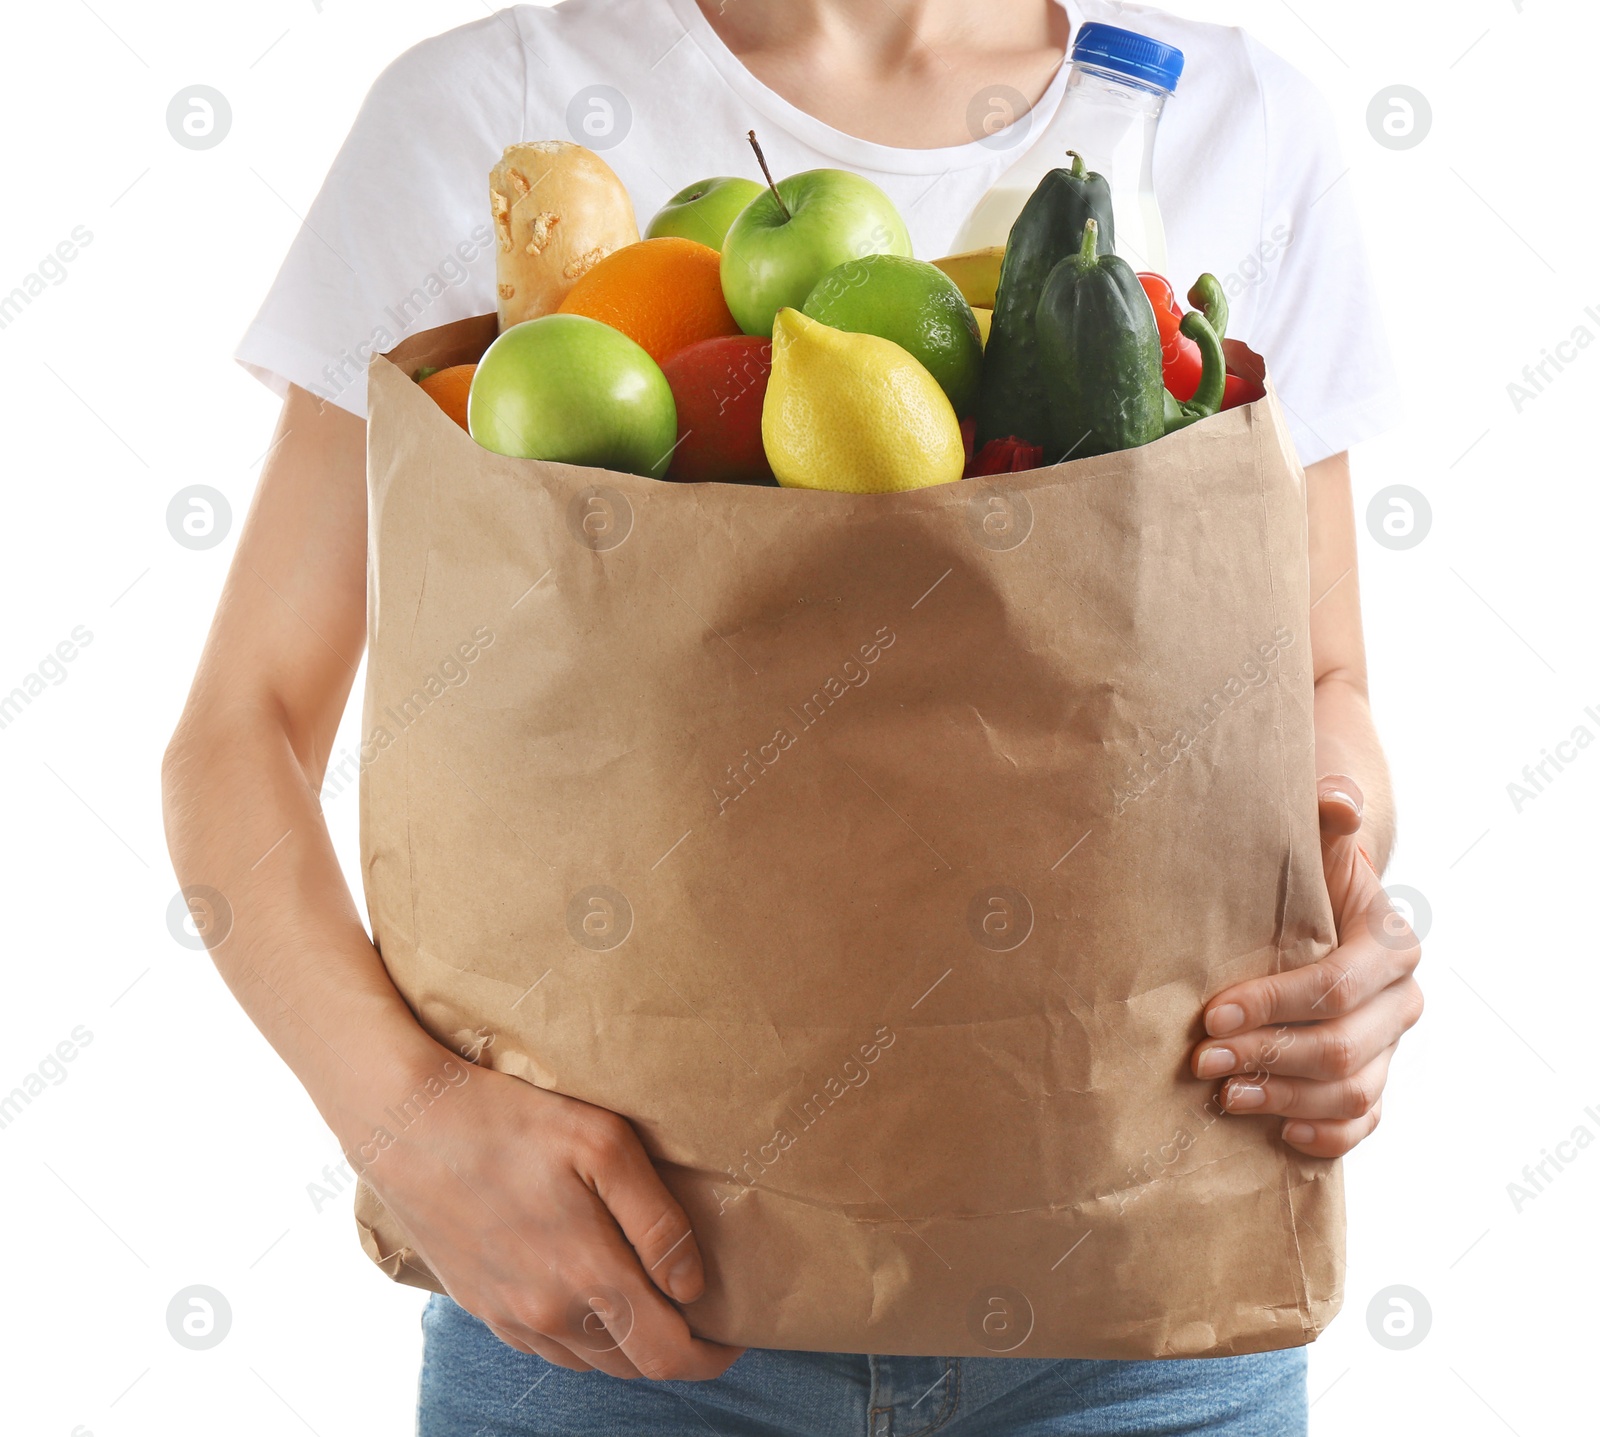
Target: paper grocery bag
x,y
874,856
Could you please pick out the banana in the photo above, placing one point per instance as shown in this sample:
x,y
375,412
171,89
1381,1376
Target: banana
x,y
976,274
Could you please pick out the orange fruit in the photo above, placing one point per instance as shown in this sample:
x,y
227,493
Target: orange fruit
x,y
664,294
448,388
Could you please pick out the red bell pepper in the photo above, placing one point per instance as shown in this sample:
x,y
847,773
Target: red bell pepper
x,y
998,456
1240,389
1005,456
1180,355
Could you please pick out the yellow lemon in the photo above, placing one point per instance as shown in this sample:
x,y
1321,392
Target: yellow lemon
x,y
854,413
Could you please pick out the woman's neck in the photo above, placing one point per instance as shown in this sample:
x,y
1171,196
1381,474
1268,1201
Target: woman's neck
x,y
917,74
883,33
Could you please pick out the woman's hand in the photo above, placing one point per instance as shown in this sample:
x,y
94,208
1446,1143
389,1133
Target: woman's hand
x,y
1313,1045
544,1217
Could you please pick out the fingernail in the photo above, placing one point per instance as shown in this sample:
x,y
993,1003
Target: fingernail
x,y
683,1277
1244,1096
1301,1133
1221,1021
1340,791
1214,1062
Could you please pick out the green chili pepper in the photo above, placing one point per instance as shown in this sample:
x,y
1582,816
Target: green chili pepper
x,y
1207,398
1206,295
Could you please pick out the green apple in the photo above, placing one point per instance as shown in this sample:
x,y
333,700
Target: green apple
x,y
570,389
704,211
785,240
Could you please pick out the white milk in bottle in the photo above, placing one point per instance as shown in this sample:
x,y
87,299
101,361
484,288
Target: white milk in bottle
x,y
1114,96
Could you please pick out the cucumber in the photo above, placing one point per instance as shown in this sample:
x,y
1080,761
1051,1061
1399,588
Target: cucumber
x,y
1016,395
1099,342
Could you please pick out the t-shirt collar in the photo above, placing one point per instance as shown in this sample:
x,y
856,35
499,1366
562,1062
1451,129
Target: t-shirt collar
x,y
850,150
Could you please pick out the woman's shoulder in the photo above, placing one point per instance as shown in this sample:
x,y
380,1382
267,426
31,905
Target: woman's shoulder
x,y
479,62
541,35
528,58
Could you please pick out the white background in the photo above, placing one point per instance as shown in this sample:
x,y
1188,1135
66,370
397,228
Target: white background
x,y
178,1151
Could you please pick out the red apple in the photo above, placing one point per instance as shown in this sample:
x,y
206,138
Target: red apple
x,y
719,386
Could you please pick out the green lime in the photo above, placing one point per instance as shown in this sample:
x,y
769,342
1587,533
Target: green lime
x,y
913,304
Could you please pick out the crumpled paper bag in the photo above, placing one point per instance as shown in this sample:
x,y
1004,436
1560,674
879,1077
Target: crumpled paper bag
x,y
874,855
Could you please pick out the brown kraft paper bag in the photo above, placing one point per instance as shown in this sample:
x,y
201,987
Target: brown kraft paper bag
x,y
874,855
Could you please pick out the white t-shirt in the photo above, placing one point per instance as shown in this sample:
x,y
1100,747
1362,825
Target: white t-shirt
x,y
1248,174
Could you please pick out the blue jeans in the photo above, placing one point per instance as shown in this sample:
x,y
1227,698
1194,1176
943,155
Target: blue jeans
x,y
473,1385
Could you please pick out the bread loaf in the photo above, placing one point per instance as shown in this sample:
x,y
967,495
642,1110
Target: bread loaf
x,y
559,210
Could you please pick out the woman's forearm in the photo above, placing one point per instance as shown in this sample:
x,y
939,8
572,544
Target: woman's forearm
x,y
1347,743
1347,740
242,818
242,773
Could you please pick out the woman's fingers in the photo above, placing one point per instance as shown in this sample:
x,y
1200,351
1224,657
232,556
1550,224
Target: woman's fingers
x,y
637,1225
1335,1050
1332,1138
1339,805
1312,1046
611,1318
543,1322
539,1346
1344,1099
1379,951
624,1315
616,1165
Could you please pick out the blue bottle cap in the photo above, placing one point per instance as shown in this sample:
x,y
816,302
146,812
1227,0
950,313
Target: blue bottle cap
x,y
1125,52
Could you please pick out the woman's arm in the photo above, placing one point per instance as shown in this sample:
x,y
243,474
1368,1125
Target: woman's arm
x,y
1314,1045
243,771
1347,740
520,1200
